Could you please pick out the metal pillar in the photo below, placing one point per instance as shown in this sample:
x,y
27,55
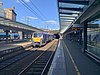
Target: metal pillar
x,y
23,35
80,37
85,37
7,35
26,36
31,35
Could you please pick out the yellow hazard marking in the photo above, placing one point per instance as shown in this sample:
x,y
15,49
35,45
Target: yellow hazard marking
x,y
75,66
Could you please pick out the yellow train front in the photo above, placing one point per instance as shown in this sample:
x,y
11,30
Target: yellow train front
x,y
39,38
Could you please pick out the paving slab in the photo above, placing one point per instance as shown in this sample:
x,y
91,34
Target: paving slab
x,y
58,64
83,65
69,60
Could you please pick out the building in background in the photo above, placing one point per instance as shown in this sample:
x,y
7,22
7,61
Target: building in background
x,y
2,12
10,13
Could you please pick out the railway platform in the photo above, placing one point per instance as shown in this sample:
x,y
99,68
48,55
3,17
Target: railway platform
x,y
6,46
70,60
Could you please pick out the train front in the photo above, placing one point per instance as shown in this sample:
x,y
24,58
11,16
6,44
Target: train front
x,y
36,39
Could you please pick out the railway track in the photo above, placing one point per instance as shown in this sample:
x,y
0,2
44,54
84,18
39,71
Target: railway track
x,y
23,63
6,54
12,57
13,50
9,51
41,64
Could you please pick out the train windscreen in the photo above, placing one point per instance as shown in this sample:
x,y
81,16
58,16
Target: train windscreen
x,y
37,34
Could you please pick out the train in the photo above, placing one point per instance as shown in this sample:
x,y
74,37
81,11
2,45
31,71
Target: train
x,y
11,36
41,38
56,36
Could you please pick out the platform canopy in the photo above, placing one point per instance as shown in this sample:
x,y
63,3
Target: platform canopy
x,y
69,11
7,23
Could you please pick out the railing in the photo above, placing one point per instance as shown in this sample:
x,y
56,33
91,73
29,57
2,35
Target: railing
x,y
93,52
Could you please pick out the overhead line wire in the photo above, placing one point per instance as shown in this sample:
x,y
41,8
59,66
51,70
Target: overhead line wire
x,y
30,8
38,9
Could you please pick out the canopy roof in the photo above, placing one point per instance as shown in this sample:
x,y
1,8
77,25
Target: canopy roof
x,y
18,25
69,11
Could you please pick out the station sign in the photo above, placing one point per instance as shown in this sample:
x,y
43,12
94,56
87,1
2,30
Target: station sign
x,y
78,25
75,29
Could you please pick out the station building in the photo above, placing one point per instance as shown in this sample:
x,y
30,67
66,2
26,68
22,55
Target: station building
x,y
8,13
2,12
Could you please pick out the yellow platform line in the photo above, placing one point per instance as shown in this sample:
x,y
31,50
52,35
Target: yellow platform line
x,y
75,66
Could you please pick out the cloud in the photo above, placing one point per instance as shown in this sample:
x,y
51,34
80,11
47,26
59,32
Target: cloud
x,y
30,17
27,19
27,1
53,22
17,1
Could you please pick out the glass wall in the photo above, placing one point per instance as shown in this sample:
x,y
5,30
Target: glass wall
x,y
93,37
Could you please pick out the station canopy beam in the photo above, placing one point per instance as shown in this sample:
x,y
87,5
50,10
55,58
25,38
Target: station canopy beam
x,y
75,2
69,16
68,13
69,19
74,9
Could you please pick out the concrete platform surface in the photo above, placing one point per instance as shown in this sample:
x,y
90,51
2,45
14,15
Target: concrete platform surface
x,y
69,60
58,64
83,65
4,46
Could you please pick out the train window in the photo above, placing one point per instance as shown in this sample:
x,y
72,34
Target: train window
x,y
37,34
